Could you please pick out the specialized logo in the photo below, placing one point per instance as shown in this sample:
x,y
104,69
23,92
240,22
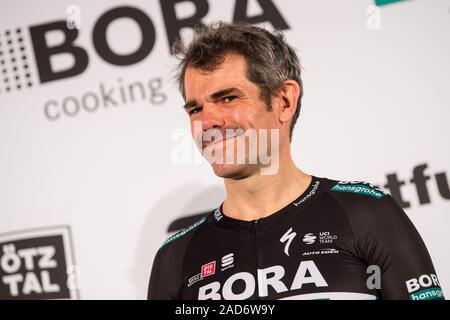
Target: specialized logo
x,y
419,288
359,187
227,262
287,237
309,238
307,273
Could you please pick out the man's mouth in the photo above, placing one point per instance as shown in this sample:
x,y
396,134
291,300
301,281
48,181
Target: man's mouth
x,y
222,139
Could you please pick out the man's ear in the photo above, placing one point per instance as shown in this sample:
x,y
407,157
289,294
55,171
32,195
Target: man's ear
x,y
288,96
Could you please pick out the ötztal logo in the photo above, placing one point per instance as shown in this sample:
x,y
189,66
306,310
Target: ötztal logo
x,y
38,264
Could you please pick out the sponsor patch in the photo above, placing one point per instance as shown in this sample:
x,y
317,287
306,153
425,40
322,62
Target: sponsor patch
x,y
359,187
428,294
208,269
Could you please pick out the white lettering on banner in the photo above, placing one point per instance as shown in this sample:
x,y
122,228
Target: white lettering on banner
x,y
46,260
211,290
10,261
28,255
12,281
33,281
31,284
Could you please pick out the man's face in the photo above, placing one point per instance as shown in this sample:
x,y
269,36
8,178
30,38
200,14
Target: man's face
x,y
223,100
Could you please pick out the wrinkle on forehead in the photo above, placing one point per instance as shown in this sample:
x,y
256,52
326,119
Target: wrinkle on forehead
x,y
230,73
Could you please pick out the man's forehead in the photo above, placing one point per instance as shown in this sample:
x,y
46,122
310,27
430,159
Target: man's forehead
x,y
226,75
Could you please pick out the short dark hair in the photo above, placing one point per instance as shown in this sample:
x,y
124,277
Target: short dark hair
x,y
270,60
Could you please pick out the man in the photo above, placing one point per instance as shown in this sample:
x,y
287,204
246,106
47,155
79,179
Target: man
x,y
280,233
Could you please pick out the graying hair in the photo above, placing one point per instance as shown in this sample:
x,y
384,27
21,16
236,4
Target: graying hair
x,y
270,60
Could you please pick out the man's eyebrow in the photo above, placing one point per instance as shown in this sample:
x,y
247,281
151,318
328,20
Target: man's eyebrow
x,y
190,104
215,96
219,94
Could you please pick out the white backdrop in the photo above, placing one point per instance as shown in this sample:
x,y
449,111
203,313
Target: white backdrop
x,y
376,103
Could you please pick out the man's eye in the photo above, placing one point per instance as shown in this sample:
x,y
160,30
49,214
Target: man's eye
x,y
194,110
228,98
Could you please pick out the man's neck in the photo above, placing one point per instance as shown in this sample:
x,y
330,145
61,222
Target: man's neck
x,y
260,196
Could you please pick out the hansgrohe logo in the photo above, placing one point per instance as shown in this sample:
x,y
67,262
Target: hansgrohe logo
x,y
183,232
358,188
428,294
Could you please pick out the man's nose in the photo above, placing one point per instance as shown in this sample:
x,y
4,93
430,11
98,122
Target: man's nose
x,y
211,117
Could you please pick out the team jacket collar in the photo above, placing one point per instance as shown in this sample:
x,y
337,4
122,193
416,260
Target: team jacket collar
x,y
315,189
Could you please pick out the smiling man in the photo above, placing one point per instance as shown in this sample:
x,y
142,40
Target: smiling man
x,y
280,233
